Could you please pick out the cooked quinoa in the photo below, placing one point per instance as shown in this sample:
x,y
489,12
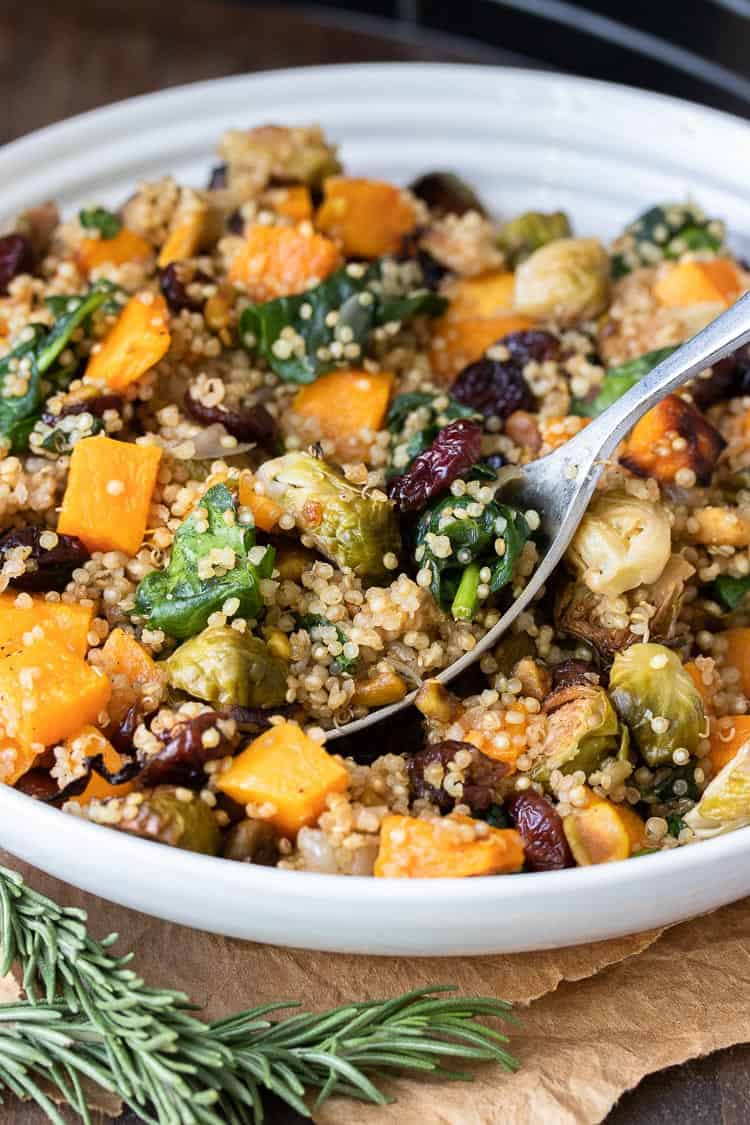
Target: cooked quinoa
x,y
253,439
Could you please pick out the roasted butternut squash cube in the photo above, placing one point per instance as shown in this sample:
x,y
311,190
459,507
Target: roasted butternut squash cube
x,y
603,832
278,261
452,847
293,202
46,693
136,343
266,512
126,246
88,742
717,281
457,343
129,667
369,218
344,403
736,654
21,613
728,734
109,490
489,294
287,769
673,435
185,238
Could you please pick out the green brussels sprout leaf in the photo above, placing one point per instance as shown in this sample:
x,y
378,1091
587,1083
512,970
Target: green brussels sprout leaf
x,y
196,582
225,667
581,734
521,236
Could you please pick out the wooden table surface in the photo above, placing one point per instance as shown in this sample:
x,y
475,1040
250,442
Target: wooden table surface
x,y
57,59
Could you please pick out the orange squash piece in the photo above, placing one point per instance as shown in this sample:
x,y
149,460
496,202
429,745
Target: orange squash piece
x,y
278,261
603,832
293,203
556,431
185,238
489,294
673,436
68,623
289,770
108,495
266,512
368,217
695,283
412,848
736,654
136,343
345,403
89,741
456,343
728,734
129,667
46,693
126,246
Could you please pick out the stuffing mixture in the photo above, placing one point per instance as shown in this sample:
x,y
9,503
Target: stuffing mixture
x,y
253,443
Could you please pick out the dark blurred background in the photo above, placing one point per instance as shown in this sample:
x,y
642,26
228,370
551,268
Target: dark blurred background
x,y
58,57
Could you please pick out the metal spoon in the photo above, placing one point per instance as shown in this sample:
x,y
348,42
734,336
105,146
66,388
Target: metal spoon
x,y
560,485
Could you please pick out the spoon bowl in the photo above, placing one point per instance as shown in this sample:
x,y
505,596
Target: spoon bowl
x,y
560,485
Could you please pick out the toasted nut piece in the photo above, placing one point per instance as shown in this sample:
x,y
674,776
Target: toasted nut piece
x,y
436,702
721,527
277,642
379,690
534,678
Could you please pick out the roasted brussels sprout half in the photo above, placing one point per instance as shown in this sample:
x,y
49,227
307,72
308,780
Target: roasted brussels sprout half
x,y
349,526
665,231
252,841
725,803
657,700
160,814
524,234
223,666
567,280
622,542
445,193
580,734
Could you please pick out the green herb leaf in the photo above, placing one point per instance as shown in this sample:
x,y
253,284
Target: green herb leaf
x,y
312,623
436,411
75,312
675,825
729,592
99,218
19,413
455,579
88,1016
618,380
665,231
295,335
180,601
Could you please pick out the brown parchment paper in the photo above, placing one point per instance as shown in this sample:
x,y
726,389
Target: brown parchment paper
x,y
587,1021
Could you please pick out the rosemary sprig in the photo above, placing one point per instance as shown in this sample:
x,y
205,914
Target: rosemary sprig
x,y
88,1016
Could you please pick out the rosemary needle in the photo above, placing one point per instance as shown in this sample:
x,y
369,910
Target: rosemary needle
x,y
88,1016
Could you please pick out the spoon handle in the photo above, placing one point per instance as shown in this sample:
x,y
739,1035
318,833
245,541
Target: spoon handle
x,y
721,337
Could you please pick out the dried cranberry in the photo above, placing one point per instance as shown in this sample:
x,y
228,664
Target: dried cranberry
x,y
571,672
218,177
235,222
182,759
175,279
480,780
446,194
539,825
97,405
38,784
246,423
45,569
497,388
454,451
15,257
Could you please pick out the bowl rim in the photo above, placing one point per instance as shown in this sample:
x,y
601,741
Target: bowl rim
x,y
313,885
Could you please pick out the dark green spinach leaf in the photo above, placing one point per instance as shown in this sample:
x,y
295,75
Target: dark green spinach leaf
x,y
99,218
618,380
300,338
312,623
181,598
729,592
665,231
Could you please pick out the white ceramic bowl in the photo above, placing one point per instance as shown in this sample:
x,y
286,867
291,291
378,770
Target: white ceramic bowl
x,y
526,140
